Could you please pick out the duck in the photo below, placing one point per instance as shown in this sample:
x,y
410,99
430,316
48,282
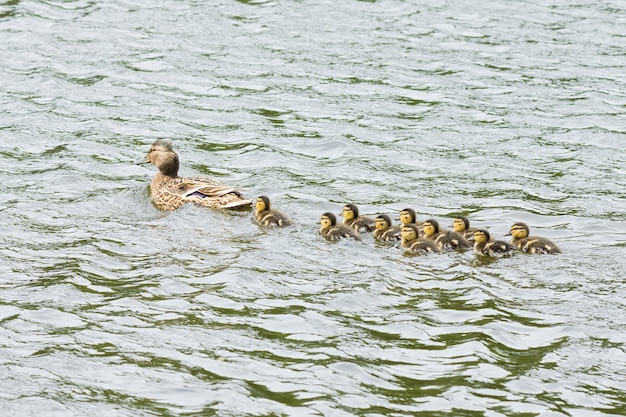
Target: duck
x,y
384,230
268,216
408,216
333,232
412,241
461,224
445,239
170,191
352,219
530,244
484,244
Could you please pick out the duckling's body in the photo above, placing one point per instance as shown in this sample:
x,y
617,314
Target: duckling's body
x,y
170,191
485,245
445,239
461,225
384,230
268,216
412,241
531,244
352,219
333,232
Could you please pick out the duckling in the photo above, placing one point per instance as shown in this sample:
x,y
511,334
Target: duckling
x,y
530,244
170,191
461,225
384,230
485,245
412,241
408,216
445,239
332,231
352,219
270,217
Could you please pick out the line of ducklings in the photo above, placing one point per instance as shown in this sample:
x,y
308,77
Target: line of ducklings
x,y
422,237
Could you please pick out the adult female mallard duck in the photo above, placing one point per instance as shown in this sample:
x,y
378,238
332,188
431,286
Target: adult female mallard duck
x,y
530,244
445,239
461,225
485,245
169,191
412,241
332,231
268,216
384,230
352,219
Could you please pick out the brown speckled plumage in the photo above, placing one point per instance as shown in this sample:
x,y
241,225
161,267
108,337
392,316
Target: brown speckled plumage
x,y
170,191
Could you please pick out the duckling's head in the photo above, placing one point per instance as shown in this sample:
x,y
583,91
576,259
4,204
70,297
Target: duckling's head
x,y
382,222
409,231
519,230
327,220
430,227
262,203
460,224
408,215
350,212
481,236
162,155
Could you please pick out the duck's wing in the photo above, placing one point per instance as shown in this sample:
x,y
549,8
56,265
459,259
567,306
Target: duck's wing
x,y
205,187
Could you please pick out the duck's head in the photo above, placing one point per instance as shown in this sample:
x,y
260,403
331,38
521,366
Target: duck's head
x,y
480,236
409,231
162,155
382,222
460,224
519,230
327,220
408,215
430,227
262,203
350,212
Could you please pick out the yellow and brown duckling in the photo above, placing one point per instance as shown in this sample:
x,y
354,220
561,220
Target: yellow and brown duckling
x,y
384,230
530,244
352,219
408,216
333,232
485,245
170,191
268,216
412,240
445,239
461,224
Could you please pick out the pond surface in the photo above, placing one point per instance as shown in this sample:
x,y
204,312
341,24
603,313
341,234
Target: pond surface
x,y
504,111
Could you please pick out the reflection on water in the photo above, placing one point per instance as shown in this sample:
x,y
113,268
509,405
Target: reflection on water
x,y
110,307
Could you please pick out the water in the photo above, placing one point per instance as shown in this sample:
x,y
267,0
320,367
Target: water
x,y
504,111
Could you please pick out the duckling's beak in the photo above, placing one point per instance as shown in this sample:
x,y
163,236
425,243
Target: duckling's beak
x,y
508,234
470,239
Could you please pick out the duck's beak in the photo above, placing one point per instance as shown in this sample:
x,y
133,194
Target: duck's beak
x,y
142,161
507,234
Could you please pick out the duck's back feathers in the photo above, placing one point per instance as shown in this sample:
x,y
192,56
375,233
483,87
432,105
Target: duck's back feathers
x,y
273,218
170,191
537,245
424,246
